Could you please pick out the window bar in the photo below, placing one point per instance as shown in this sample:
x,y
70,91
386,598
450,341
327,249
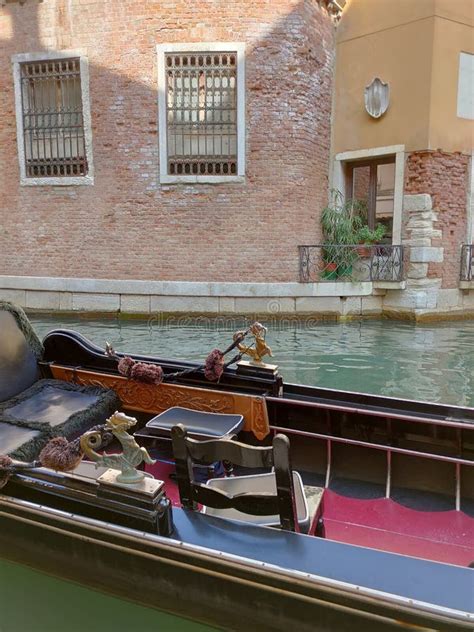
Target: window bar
x,y
201,106
219,164
197,126
63,117
56,119
213,115
69,127
52,118
51,125
41,119
39,136
76,121
179,111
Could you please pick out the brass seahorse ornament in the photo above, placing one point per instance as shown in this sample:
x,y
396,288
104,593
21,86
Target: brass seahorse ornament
x,y
258,331
118,424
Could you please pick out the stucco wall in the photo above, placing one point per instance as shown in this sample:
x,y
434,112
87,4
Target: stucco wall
x,y
414,46
447,130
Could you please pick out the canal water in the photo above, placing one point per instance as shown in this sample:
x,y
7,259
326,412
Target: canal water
x,y
34,602
398,359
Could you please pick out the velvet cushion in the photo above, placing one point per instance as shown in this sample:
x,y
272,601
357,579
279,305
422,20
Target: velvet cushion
x,y
54,408
12,437
51,405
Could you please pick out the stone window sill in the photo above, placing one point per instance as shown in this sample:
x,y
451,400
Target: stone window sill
x,y
201,179
55,182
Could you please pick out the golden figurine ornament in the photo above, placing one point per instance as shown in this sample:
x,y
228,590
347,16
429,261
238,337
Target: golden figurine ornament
x,y
258,331
119,424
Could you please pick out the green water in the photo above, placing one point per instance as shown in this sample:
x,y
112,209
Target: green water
x,y
427,362
34,602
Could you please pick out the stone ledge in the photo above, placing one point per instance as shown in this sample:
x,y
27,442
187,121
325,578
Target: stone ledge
x,y
427,315
216,289
389,285
466,285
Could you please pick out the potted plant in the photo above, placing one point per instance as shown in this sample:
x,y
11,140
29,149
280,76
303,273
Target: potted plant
x,y
330,271
367,237
340,222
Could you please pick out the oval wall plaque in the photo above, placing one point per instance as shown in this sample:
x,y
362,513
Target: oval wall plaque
x,y
377,95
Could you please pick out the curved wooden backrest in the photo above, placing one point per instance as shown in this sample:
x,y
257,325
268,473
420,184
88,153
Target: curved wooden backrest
x,y
192,493
18,360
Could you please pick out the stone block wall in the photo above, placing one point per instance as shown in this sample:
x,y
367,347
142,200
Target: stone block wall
x,y
127,226
427,258
445,178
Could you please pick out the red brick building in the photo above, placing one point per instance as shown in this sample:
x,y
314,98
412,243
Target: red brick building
x,y
172,156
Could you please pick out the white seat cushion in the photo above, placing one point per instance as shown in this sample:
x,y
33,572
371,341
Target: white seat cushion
x,y
257,483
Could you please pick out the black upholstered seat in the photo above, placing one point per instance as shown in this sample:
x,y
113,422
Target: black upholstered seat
x,y
200,425
32,410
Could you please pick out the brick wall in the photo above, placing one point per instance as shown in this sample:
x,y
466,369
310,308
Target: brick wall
x,y
127,225
445,177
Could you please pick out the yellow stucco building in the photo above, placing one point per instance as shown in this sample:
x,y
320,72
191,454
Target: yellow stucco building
x,y
412,164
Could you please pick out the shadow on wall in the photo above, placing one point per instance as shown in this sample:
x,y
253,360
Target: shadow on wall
x,y
127,225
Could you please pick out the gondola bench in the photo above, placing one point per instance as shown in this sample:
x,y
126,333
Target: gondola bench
x,y
33,410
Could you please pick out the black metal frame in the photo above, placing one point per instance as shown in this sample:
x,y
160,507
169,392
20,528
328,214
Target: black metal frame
x,y
52,118
204,111
187,450
335,262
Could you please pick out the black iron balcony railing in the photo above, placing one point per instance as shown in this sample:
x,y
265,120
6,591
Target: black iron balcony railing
x,y
354,263
467,263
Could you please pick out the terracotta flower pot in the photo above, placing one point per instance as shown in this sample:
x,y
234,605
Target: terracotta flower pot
x,y
363,250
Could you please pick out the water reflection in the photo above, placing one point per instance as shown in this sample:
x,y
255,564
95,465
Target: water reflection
x,y
429,362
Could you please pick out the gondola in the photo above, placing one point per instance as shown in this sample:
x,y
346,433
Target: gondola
x,y
381,537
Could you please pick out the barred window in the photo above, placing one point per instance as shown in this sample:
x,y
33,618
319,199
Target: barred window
x,y
53,124
201,122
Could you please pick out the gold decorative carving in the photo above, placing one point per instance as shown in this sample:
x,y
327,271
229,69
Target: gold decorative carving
x,y
152,398
260,423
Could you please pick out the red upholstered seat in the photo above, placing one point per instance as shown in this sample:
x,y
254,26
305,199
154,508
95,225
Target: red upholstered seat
x,y
382,523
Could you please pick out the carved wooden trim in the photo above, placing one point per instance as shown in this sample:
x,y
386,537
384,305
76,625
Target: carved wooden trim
x,y
150,398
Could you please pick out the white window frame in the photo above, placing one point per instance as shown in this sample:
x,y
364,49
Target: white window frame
x,y
161,50
470,202
88,179
465,96
338,180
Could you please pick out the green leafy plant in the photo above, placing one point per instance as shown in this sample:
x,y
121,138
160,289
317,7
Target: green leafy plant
x,y
365,235
345,224
341,222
